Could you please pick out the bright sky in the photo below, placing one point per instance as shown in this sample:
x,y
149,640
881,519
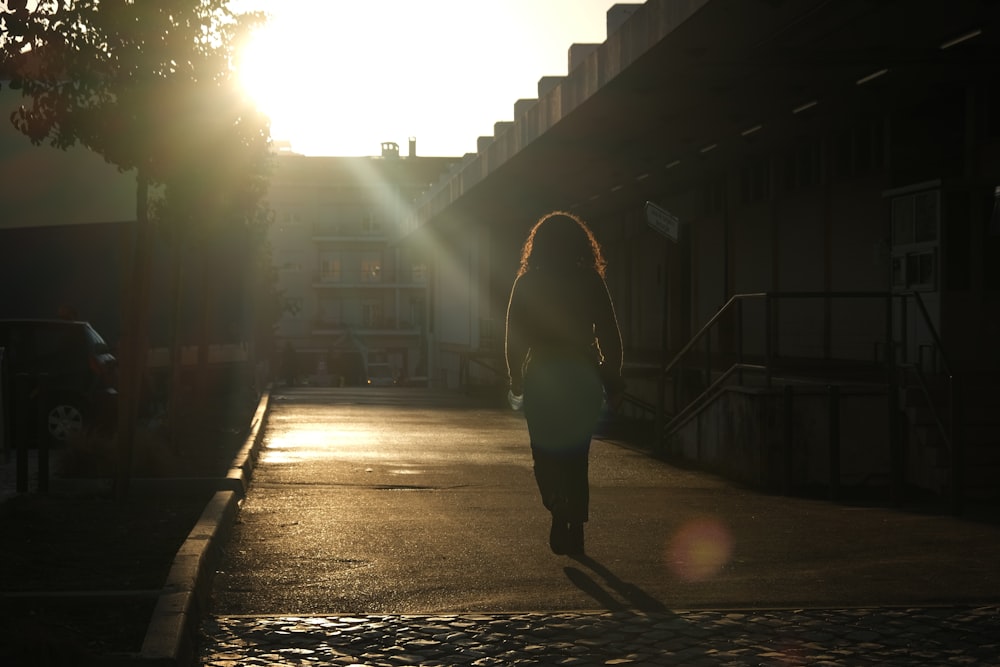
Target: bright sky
x,y
340,77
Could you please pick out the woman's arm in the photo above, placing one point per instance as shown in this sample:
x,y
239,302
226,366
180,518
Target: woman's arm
x,y
515,347
609,338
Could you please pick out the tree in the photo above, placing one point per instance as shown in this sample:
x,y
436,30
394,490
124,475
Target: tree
x,y
150,86
204,215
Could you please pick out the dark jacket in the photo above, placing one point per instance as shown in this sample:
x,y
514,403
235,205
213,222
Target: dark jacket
x,y
559,314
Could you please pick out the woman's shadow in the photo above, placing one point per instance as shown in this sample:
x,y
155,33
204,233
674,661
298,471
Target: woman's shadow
x,y
632,597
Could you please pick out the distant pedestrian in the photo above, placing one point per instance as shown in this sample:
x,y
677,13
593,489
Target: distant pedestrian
x,y
564,356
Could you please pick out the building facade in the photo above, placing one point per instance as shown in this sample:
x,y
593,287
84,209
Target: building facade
x,y
353,298
833,169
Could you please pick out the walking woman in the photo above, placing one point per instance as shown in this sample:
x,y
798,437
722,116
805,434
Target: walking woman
x,y
564,356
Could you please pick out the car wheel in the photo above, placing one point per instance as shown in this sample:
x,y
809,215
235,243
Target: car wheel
x,y
64,420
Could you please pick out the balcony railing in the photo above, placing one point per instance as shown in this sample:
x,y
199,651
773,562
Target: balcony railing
x,y
375,324
347,233
367,279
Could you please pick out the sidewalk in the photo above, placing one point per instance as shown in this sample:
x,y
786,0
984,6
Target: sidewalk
x,y
847,637
341,517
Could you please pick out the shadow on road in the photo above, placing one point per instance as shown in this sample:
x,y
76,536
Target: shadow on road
x,y
633,597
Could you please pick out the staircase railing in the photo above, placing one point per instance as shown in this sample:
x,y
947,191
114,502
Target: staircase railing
x,y
948,427
765,361
717,375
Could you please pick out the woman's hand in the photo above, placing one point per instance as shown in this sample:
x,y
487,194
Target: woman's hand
x,y
516,401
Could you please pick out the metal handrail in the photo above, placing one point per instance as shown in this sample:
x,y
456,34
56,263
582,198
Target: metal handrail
x,y
645,406
734,299
694,406
708,325
950,433
938,421
931,329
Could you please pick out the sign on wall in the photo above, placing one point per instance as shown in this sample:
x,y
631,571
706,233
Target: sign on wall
x,y
663,221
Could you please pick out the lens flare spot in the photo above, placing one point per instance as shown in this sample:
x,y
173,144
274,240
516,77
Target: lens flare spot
x,y
700,549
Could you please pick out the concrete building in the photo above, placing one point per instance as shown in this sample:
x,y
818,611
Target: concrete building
x,y
819,291
353,297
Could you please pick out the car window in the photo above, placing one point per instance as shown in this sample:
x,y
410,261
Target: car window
x,y
18,343
96,342
58,347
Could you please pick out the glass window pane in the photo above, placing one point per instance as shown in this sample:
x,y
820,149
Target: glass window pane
x,y
902,221
926,216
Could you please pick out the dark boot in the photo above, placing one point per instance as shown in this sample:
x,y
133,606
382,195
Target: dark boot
x,y
558,535
574,539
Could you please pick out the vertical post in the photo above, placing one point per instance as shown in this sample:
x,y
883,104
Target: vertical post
x,y
957,445
904,333
708,357
5,411
789,433
768,343
739,337
661,385
22,409
827,326
892,391
42,439
132,359
834,424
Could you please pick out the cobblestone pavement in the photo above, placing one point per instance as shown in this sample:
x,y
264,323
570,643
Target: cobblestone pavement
x,y
880,636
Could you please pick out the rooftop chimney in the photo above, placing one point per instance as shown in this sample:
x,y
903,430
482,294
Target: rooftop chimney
x,y
413,147
390,149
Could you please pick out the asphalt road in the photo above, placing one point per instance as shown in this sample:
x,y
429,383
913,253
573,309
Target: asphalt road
x,y
403,501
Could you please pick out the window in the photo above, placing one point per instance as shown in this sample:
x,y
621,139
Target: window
x,y
371,269
330,270
915,218
369,224
417,307
915,224
419,273
371,314
292,306
915,270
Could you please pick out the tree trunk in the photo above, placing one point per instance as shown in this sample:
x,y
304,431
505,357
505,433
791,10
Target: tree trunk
x,y
204,329
176,345
132,352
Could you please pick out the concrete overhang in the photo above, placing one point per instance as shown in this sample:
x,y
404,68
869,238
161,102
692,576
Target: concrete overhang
x,y
684,82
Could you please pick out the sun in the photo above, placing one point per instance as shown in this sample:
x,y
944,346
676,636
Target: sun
x,y
323,89
261,71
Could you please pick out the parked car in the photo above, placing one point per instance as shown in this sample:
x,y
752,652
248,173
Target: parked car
x,y
381,375
59,372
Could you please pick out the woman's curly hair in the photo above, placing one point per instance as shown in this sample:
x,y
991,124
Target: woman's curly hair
x,y
561,240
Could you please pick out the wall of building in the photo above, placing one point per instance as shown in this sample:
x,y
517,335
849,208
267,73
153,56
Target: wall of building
x,y
745,436
349,288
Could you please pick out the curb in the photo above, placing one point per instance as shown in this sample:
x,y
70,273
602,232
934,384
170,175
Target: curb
x,y
171,635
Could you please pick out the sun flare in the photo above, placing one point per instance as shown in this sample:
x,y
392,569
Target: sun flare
x,y
339,78
324,89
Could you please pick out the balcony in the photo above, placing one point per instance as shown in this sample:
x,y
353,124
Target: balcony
x,y
365,280
343,233
376,326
